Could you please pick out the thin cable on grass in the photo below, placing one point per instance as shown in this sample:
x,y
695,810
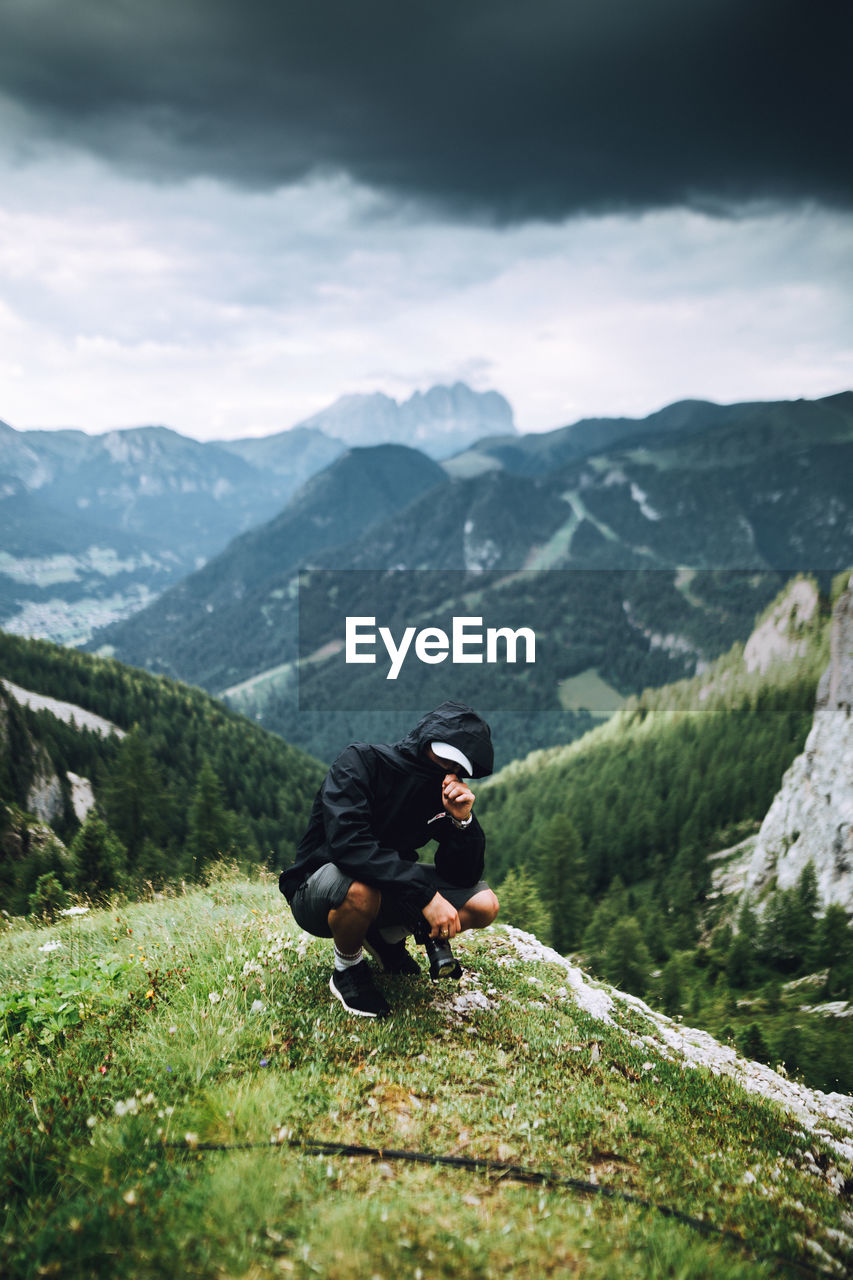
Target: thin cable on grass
x,y
517,1173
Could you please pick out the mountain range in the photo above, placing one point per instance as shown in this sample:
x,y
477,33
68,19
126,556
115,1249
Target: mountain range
x,y
92,527
610,536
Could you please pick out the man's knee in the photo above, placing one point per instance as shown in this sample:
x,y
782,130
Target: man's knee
x,y
361,899
482,909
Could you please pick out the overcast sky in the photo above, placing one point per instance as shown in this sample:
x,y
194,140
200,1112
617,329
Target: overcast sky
x,y
222,215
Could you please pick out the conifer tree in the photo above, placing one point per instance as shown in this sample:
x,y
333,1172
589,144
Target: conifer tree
x,y
209,831
49,897
806,901
100,859
834,951
522,906
562,880
741,954
611,908
626,961
133,795
752,1044
672,985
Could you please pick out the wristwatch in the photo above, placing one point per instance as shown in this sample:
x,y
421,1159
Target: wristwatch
x,y
462,823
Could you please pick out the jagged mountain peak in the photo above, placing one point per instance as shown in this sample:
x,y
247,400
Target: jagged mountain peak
x,y
441,421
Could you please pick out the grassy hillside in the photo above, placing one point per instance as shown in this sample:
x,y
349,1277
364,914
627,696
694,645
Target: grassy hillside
x,y
136,1038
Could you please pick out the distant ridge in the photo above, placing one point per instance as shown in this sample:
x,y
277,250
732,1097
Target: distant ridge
x,y
440,421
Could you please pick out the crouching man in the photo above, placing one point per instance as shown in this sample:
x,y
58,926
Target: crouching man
x,y
357,878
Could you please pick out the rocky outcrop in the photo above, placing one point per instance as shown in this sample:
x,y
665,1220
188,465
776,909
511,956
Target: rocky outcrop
x,y
33,781
779,636
22,838
811,818
82,796
44,797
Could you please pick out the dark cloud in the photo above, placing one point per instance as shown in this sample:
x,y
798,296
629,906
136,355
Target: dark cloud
x,y
500,108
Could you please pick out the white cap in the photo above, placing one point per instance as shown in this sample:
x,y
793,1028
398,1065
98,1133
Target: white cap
x,y
448,752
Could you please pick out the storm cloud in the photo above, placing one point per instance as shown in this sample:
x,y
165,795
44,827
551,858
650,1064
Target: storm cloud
x,y
486,108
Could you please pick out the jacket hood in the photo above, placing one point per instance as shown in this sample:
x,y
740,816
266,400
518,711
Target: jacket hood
x,y
458,724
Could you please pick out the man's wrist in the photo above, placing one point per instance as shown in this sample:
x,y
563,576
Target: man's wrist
x,y
462,823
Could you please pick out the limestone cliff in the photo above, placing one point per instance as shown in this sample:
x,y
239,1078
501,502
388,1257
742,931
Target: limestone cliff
x,y
811,818
29,776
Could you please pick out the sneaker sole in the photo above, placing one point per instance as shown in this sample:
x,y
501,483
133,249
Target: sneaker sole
x,y
359,1013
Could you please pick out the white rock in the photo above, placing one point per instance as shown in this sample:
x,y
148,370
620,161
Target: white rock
x,y
811,818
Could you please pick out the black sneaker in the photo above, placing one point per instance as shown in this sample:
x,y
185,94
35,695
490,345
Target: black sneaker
x,y
392,956
355,989
442,961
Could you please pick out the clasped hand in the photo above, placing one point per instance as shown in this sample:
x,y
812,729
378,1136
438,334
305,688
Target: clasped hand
x,y
457,799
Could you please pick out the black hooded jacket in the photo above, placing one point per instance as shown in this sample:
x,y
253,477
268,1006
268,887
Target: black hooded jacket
x,y
379,804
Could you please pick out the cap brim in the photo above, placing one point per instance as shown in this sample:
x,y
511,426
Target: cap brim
x,y
448,752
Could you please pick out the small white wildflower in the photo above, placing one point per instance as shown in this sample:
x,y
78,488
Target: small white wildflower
x,y
148,1100
53,945
74,911
214,997
257,1006
120,1108
91,1121
191,1139
173,1031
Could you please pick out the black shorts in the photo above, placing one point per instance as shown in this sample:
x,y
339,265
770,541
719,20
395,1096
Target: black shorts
x,y
326,889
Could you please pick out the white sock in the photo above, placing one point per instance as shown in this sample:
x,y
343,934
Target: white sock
x,y
344,961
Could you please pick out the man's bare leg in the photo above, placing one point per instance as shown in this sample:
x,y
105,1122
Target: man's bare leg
x,y
351,981
478,911
350,921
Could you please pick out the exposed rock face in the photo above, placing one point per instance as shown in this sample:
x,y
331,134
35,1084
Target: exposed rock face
x,y
811,818
44,797
82,796
37,786
776,638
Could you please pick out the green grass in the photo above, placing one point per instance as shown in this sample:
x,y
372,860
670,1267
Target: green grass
x,y
92,1185
590,691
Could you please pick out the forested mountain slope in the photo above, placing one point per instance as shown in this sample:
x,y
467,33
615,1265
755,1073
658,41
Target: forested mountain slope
x,y
655,512
187,781
223,622
611,847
